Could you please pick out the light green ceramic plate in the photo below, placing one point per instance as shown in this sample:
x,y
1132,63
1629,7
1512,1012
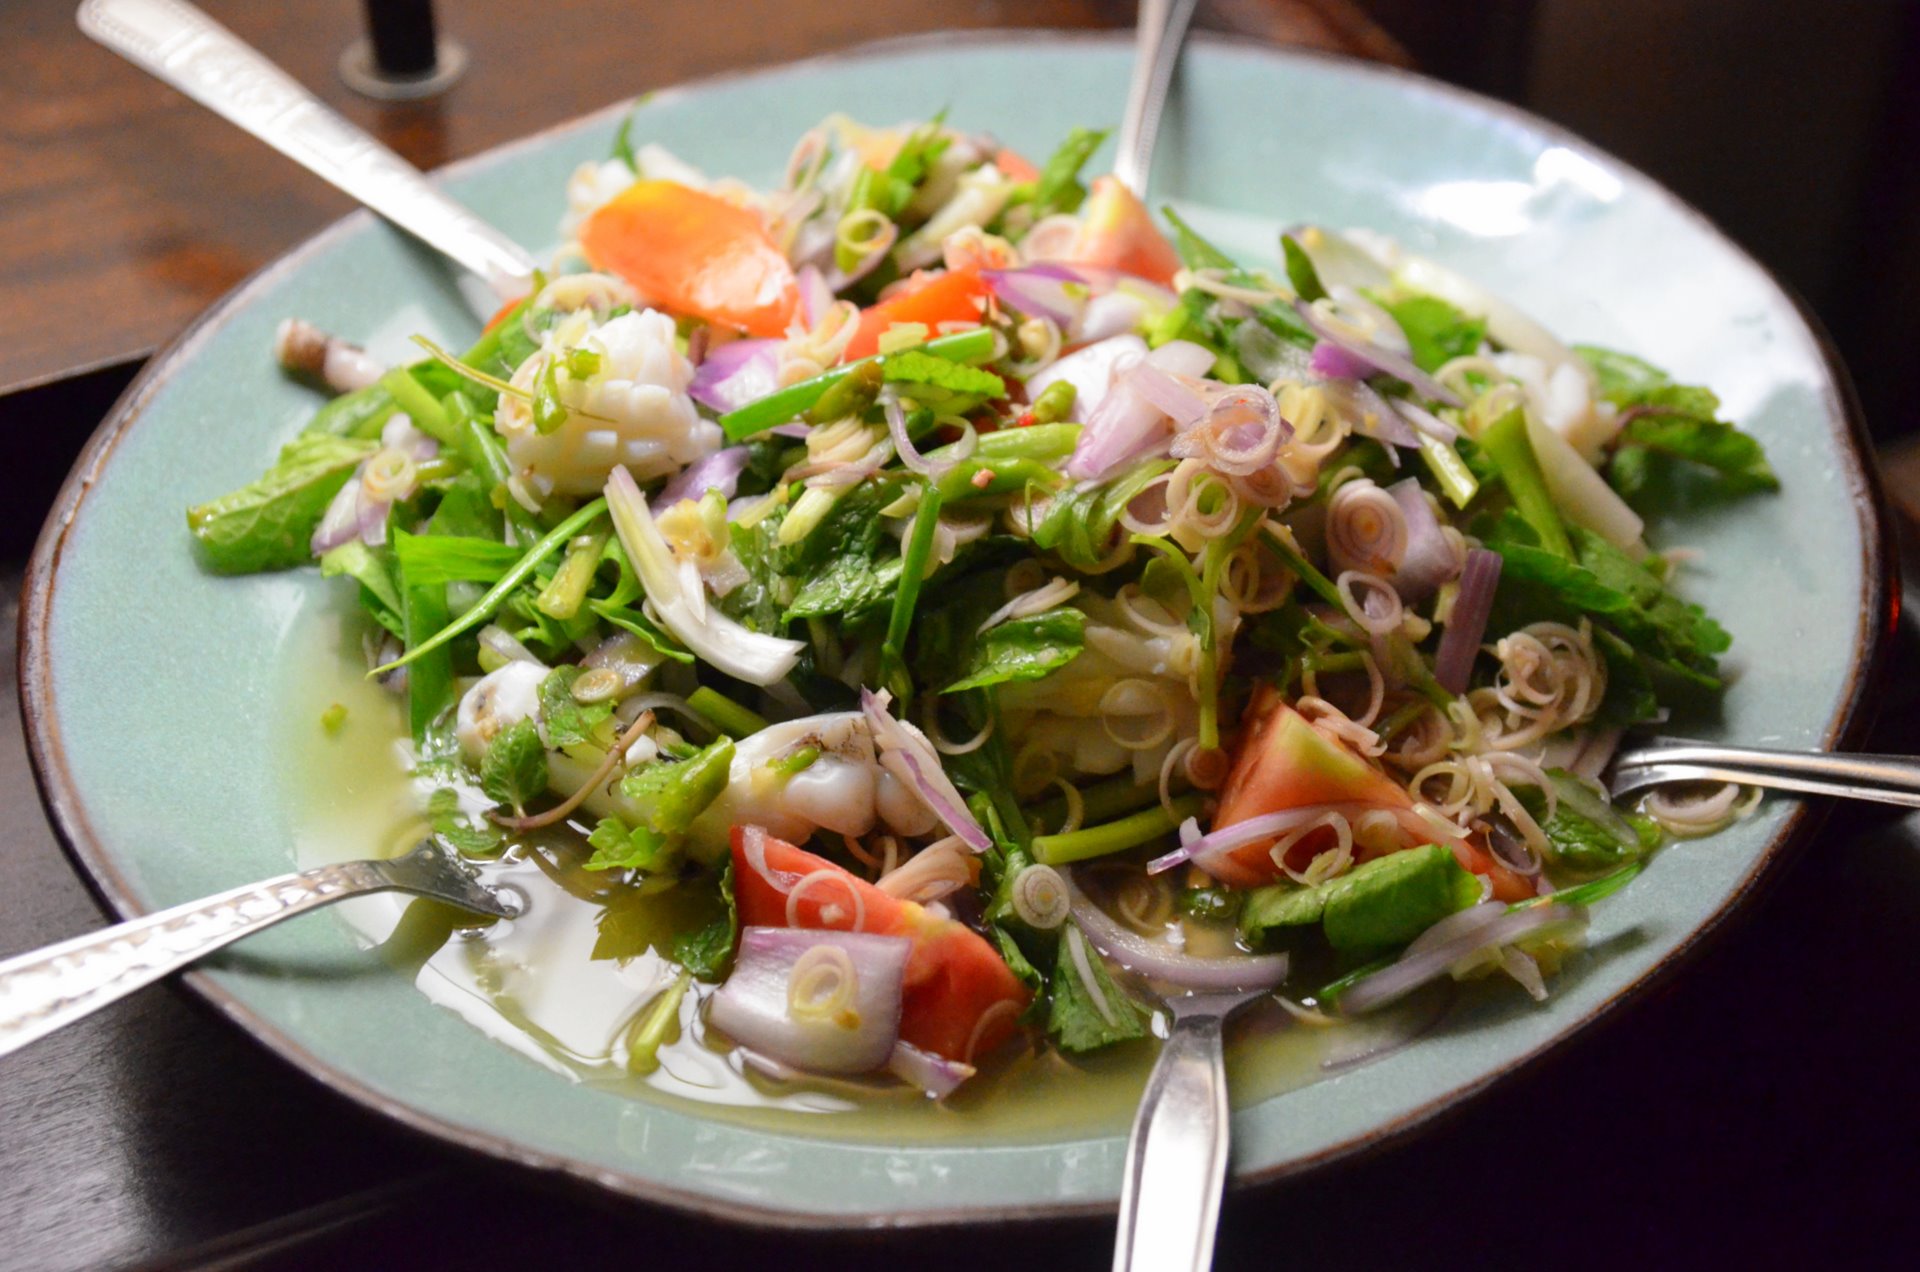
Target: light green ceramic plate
x,y
153,693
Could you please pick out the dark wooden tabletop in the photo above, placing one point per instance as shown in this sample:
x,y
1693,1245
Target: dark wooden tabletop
x,y
1759,1107
126,209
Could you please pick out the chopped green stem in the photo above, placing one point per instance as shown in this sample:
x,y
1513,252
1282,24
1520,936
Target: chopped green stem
x,y
1456,480
727,715
1586,893
420,405
487,347
1402,718
1505,441
561,598
361,413
656,1026
970,347
913,570
1004,477
1117,836
1053,404
486,456
799,762
1282,542
1102,800
1038,441
523,569
1328,664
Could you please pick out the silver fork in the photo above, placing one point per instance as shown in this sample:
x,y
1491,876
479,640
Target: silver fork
x,y
1886,779
47,988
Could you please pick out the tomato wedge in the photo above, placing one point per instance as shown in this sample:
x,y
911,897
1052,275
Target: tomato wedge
x,y
1284,762
957,986
1117,232
956,296
694,254
1015,166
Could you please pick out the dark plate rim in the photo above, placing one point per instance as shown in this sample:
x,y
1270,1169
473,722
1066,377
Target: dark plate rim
x,y
97,867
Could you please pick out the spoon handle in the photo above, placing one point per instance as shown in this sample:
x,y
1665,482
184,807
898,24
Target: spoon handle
x,y
183,47
45,989
1887,779
1158,34
1177,1154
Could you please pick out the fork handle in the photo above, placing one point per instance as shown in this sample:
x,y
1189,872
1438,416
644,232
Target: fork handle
x,y
44,989
1177,1154
1887,779
179,45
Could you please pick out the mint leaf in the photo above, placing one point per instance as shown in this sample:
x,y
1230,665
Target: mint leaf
x,y
454,828
514,769
569,722
850,585
1585,833
446,558
707,951
1301,271
1024,649
269,524
379,593
1672,448
1073,1018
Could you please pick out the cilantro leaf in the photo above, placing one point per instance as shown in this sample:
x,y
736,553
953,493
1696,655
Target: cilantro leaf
x,y
1672,439
269,524
1073,1018
1024,649
514,769
454,828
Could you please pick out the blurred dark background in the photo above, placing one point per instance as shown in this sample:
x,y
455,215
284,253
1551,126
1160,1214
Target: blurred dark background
x,y
1757,1110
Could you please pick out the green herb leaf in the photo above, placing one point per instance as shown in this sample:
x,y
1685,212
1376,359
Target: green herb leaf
x,y
1073,1018
379,593
1673,449
269,524
1301,271
912,366
569,722
514,769
440,558
617,846
465,835
1024,649
1059,189
707,951
1436,330
671,794
1586,833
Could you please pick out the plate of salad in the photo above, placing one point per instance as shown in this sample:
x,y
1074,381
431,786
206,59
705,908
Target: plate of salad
x,y
888,597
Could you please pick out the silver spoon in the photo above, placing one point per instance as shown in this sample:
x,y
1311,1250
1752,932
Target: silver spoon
x,y
45,989
1159,32
183,47
1886,779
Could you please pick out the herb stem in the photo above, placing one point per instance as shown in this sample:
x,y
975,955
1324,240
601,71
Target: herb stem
x,y
420,405
1116,836
969,347
656,1026
484,608
1281,540
913,571
1457,481
727,715
1505,441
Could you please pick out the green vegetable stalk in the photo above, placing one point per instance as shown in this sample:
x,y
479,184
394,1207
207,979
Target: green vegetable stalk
x,y
727,715
967,347
1505,441
1117,836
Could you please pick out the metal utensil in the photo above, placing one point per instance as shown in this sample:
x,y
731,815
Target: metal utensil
x,y
48,988
183,47
1177,1152
1159,32
1886,779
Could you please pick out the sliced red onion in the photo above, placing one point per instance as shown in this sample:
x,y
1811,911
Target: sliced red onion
x,y
791,430
1269,356
1204,848
1456,937
1596,753
1242,431
1337,363
1394,364
938,1076
1126,423
719,471
1425,421
1401,1032
1109,314
815,296
736,373
852,473
1041,290
754,1007
910,455
1380,421
1511,851
1161,962
1429,559
909,756
352,515
1091,371
1467,621
1178,400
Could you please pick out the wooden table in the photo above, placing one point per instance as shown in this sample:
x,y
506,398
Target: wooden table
x,y
1759,1107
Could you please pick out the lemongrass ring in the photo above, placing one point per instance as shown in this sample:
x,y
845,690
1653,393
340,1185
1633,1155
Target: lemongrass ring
x,y
1380,619
1076,806
1039,897
822,984
1136,699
